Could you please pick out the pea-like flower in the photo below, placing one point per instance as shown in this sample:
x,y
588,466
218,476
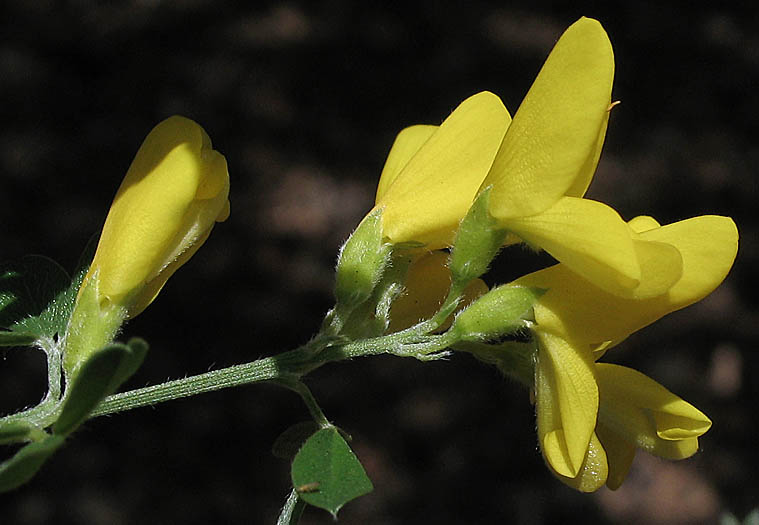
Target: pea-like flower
x,y
174,192
576,322
614,277
427,185
432,173
537,167
547,160
635,412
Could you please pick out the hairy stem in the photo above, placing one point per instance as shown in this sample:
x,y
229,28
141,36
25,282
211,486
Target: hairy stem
x,y
286,368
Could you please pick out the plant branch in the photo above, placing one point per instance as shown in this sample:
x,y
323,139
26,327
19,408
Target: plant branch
x,y
286,368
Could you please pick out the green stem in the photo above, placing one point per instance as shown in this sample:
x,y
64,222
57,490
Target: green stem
x,y
436,321
277,367
44,413
285,368
54,363
308,398
292,510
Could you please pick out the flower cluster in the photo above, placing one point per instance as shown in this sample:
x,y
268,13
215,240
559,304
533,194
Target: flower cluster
x,y
408,280
451,196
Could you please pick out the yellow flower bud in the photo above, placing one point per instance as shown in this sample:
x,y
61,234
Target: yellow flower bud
x,y
174,192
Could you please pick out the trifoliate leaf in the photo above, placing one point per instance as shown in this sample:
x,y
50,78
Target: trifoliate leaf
x,y
326,472
37,296
26,462
138,348
99,376
27,289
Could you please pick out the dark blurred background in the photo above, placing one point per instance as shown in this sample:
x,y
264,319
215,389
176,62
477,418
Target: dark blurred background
x,y
304,99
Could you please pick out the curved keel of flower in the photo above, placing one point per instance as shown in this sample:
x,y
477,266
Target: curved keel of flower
x,y
566,398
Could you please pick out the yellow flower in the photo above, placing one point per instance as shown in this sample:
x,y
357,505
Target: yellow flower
x,y
566,401
427,185
174,192
614,277
432,173
547,160
552,147
635,412
538,167
575,322
576,309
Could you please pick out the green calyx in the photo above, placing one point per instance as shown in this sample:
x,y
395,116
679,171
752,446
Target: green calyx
x,y
501,312
361,262
92,326
478,241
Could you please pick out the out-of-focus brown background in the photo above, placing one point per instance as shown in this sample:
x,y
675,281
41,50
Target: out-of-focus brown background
x,y
305,101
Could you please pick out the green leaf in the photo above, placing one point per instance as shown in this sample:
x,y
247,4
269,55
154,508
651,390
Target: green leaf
x,y
138,349
57,314
99,376
26,462
326,472
289,442
37,296
27,288
16,338
90,387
